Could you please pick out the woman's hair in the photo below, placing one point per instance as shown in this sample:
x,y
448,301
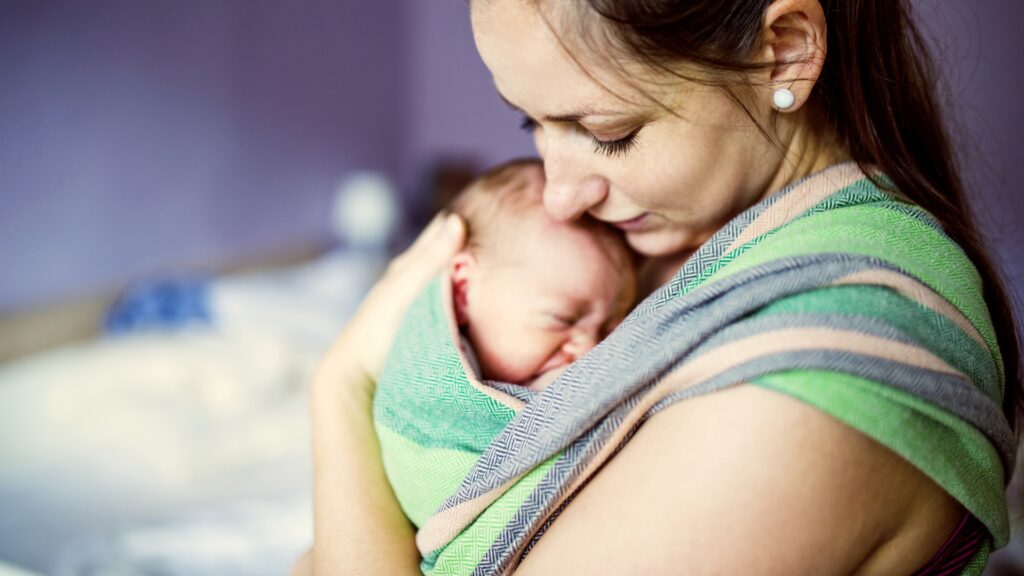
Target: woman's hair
x,y
876,93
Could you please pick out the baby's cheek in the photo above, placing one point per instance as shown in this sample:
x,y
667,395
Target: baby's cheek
x,y
520,354
541,347
528,347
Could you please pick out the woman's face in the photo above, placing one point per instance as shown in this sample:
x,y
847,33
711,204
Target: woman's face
x,y
666,161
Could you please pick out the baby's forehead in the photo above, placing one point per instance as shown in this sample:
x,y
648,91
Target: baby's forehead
x,y
528,232
566,248
509,226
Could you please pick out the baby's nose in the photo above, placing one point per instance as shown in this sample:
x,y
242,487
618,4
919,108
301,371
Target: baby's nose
x,y
580,343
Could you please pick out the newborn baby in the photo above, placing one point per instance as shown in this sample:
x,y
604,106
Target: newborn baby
x,y
532,294
525,298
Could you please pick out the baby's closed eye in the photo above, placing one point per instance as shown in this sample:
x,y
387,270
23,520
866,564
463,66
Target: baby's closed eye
x,y
559,318
563,319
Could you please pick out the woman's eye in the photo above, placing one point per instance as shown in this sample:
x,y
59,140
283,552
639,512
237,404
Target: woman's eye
x,y
616,147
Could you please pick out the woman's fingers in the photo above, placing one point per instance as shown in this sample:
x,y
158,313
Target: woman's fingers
x,y
409,273
369,333
435,246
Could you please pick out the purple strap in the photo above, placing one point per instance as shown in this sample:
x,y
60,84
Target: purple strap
x,y
959,549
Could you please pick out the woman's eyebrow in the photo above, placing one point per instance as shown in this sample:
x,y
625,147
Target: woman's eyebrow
x,y
574,117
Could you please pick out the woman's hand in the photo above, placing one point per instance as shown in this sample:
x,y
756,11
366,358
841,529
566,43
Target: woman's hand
x,y
359,527
367,337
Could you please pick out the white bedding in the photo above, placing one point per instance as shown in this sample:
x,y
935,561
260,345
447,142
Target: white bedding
x,y
174,453
120,436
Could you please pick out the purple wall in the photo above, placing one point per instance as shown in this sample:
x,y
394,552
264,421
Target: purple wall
x,y
454,108
978,45
145,137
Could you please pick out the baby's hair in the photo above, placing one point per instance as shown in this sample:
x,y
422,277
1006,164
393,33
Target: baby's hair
x,y
495,206
494,200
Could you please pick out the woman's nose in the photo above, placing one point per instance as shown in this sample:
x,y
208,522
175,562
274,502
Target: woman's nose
x,y
570,189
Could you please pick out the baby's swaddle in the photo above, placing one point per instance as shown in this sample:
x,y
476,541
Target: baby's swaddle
x,y
434,416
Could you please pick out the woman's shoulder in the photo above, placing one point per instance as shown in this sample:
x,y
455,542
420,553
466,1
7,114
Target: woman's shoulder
x,y
764,480
857,215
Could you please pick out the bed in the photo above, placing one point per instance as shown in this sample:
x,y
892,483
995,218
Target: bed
x,y
177,443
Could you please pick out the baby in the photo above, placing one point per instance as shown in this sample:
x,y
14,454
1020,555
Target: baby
x,y
526,297
532,294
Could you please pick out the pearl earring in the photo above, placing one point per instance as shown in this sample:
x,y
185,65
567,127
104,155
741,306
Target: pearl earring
x,y
783,99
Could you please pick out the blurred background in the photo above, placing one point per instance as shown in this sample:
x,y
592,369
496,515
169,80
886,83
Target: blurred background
x,y
194,196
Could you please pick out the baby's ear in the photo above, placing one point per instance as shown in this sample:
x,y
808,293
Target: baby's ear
x,y
463,270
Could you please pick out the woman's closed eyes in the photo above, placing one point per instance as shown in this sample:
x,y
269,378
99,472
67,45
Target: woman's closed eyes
x,y
610,148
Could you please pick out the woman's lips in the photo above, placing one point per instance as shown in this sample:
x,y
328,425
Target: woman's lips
x,y
631,225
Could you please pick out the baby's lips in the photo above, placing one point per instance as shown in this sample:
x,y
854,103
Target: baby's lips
x,y
541,382
559,360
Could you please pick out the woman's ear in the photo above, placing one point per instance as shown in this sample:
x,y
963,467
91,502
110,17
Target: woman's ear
x,y
795,40
464,270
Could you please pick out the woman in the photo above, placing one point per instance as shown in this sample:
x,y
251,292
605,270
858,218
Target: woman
x,y
668,120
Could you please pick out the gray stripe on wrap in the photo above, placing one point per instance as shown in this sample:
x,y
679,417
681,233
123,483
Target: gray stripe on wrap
x,y
950,392
638,354
941,389
986,374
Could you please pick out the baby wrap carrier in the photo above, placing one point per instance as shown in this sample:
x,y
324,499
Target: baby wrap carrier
x,y
832,291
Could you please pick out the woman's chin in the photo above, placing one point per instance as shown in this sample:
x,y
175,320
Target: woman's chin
x,y
660,243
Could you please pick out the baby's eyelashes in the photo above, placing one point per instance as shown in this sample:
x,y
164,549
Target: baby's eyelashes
x,y
581,331
561,320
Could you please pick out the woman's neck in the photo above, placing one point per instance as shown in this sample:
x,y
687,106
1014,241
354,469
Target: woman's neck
x,y
808,149
811,147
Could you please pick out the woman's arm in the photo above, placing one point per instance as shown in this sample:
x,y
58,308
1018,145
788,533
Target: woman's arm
x,y
358,526
749,481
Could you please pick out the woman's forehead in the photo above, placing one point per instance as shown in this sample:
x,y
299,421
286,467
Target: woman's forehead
x,y
533,68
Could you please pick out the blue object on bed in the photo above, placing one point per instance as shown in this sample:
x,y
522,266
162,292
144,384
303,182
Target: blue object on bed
x,y
162,304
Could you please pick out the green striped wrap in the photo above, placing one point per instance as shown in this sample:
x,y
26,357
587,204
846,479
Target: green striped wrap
x,y
832,291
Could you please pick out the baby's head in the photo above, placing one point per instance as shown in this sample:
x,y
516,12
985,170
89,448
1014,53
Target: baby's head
x,y
533,294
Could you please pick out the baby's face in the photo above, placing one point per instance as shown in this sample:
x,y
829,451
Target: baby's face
x,y
559,295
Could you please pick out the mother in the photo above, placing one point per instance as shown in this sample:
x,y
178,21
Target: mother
x,y
668,119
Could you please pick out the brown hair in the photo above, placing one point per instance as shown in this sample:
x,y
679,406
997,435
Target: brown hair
x,y
876,93
491,201
493,207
